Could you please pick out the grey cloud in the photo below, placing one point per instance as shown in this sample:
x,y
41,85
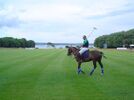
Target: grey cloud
x,y
7,21
113,13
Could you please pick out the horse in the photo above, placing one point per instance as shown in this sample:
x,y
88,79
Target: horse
x,y
94,56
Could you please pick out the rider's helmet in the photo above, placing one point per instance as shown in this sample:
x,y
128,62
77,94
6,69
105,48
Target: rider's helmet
x,y
84,37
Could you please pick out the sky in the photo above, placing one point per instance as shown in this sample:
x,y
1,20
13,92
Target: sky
x,y
64,21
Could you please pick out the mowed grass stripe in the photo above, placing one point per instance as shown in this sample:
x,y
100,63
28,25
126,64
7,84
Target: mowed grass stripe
x,y
28,63
125,64
28,74
22,57
52,78
121,76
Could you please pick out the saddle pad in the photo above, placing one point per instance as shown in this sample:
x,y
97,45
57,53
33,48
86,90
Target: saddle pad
x,y
85,54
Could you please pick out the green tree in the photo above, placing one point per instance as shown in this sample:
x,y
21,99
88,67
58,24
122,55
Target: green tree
x,y
115,40
13,42
30,43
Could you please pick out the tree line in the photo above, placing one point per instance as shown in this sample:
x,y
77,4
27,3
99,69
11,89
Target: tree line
x,y
114,40
16,43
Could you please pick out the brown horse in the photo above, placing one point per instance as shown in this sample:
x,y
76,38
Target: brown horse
x,y
95,56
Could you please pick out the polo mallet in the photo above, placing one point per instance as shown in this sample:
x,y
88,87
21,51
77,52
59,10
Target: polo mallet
x,y
94,28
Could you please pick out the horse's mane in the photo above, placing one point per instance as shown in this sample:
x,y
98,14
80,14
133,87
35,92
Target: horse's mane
x,y
75,48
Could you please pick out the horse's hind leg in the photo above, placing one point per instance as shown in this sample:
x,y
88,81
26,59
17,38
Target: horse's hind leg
x,y
94,63
101,65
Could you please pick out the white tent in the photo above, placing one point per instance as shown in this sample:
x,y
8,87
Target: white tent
x,y
132,45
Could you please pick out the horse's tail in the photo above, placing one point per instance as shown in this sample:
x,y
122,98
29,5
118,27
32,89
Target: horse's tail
x,y
103,55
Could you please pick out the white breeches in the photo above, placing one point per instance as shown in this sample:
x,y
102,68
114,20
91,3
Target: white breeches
x,y
82,50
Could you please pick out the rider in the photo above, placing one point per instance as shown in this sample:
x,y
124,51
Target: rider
x,y
84,47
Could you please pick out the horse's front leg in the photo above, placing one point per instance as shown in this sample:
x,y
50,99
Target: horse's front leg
x,y
79,68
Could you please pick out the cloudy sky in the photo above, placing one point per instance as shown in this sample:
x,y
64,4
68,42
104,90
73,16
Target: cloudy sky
x,y
64,20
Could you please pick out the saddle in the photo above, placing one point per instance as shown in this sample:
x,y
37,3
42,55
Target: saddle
x,y
85,54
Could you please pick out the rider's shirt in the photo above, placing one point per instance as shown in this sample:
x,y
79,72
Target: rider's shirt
x,y
85,43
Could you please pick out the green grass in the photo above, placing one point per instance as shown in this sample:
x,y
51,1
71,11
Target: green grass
x,y
51,75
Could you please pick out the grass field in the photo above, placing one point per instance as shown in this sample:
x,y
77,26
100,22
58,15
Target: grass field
x,y
51,75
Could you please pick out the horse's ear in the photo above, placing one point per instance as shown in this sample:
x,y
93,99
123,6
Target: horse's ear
x,y
67,46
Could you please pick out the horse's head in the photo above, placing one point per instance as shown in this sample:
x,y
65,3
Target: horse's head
x,y
69,52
